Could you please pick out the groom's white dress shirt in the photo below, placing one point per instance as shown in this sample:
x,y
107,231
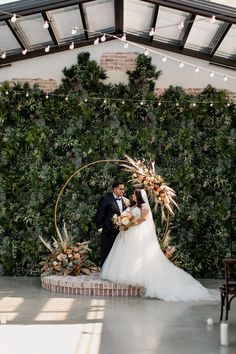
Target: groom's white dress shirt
x,y
119,202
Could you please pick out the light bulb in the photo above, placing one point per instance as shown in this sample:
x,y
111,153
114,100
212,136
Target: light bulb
x,y
74,30
85,100
194,104
46,96
177,104
146,52
27,94
6,93
211,104
4,54
141,103
225,78
164,59
24,51
123,102
228,104
197,69
47,49
105,101
46,25
66,98
152,32
123,38
96,41
103,38
159,103
71,46
13,19
126,45
181,65
212,74
213,19
181,26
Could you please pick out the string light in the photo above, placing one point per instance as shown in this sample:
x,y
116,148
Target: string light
x,y
6,93
46,96
181,65
146,52
27,94
4,54
164,59
181,26
74,30
123,102
126,45
71,46
159,103
141,103
212,74
85,100
197,70
152,32
13,19
46,25
123,38
104,101
177,104
24,51
66,98
96,41
47,49
213,19
103,38
194,104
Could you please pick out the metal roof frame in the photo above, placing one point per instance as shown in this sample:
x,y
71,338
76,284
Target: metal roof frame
x,y
192,7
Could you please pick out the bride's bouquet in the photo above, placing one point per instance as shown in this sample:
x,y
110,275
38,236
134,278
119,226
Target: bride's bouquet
x,y
124,221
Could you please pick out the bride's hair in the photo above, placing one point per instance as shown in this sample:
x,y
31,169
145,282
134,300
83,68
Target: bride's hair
x,y
139,197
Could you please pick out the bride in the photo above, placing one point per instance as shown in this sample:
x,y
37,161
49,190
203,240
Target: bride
x,y
137,259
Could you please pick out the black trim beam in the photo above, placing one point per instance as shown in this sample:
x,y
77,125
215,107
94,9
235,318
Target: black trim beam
x,y
223,31
50,30
40,52
119,16
189,24
85,27
154,20
30,7
185,51
15,34
200,7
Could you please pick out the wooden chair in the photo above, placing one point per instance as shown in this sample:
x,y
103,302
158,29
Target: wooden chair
x,y
228,289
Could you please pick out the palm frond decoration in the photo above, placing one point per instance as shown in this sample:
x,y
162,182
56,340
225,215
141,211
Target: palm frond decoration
x,y
146,177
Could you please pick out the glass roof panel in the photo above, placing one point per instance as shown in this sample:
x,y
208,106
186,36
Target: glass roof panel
x,y
99,16
64,20
31,29
138,17
228,46
8,43
202,34
167,24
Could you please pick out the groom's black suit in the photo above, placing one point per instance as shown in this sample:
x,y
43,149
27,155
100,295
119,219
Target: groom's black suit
x,y
107,207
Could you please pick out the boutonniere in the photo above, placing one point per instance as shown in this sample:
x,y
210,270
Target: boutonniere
x,y
126,201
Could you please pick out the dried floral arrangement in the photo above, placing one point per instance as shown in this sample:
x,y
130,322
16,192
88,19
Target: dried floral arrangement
x,y
67,257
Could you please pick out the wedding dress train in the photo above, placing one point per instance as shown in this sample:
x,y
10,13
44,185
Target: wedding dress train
x,y
137,259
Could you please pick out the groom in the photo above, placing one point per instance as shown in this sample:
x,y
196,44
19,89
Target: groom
x,y
110,204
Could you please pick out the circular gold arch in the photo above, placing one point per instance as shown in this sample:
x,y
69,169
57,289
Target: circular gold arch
x,y
71,177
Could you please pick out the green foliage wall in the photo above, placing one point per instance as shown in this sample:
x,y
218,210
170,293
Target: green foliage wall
x,y
43,141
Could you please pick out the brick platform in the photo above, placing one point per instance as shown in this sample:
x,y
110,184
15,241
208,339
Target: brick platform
x,y
88,285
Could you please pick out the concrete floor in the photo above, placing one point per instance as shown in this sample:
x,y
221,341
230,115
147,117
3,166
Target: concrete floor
x,y
42,322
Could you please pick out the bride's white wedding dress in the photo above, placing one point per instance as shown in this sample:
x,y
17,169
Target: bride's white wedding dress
x,y
136,259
